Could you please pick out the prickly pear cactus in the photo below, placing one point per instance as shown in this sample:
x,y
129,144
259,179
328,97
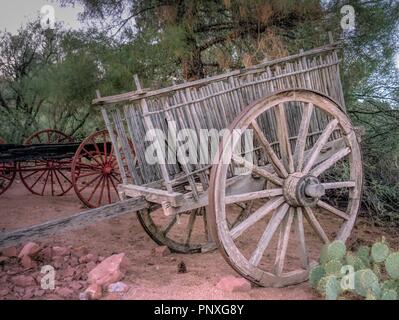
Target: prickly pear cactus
x,y
372,273
379,252
389,295
315,275
392,265
366,281
354,261
333,267
333,251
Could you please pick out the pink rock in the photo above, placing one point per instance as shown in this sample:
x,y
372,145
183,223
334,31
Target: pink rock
x,y
10,252
30,249
4,292
38,293
88,258
68,272
46,253
64,292
118,287
94,291
79,251
23,281
90,266
75,285
28,293
4,260
161,251
27,262
233,284
61,251
73,261
110,270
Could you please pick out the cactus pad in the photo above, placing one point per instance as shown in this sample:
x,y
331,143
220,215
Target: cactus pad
x,y
333,267
392,265
379,252
366,281
315,275
354,261
333,251
389,295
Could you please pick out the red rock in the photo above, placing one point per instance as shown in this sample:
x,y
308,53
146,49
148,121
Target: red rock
x,y
4,260
10,252
28,293
38,293
27,262
46,254
118,287
90,266
30,249
23,281
79,251
64,292
73,261
110,270
61,251
234,284
75,285
88,258
94,291
161,251
112,296
4,292
68,272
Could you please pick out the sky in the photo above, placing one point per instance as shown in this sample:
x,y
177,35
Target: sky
x,y
14,13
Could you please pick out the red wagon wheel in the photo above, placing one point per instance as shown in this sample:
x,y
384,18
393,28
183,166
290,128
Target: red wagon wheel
x,y
7,173
95,172
47,177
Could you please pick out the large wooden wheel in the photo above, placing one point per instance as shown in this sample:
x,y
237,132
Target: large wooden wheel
x,y
7,173
315,159
186,232
47,177
95,172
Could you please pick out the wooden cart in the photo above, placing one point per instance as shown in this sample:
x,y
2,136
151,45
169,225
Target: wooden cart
x,y
264,208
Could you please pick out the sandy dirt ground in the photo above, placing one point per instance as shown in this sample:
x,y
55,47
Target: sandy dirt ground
x,y
149,276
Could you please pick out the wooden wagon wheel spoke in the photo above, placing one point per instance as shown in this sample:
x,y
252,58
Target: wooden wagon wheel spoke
x,y
285,230
277,164
260,213
286,202
300,145
268,234
309,215
59,181
190,225
339,184
320,143
283,137
254,195
330,161
252,167
333,210
300,232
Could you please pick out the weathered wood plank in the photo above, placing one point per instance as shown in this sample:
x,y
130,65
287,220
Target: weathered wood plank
x,y
75,221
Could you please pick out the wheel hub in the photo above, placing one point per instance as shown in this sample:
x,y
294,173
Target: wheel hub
x,y
107,170
302,190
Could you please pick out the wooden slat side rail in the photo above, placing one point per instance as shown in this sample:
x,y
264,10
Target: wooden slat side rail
x,y
136,95
75,221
